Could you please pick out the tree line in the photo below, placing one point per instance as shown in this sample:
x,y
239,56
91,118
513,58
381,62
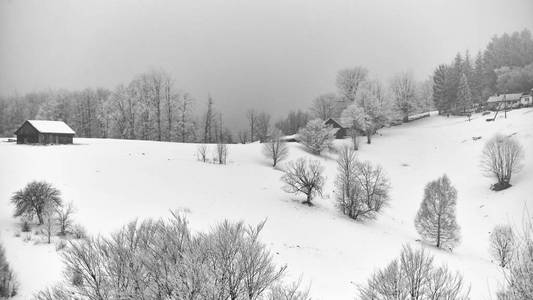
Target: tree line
x,y
504,66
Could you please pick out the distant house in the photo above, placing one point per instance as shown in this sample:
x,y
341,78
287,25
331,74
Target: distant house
x,y
505,101
44,132
526,100
337,124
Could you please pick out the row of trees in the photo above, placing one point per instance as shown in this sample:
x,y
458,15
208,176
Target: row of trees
x,y
504,66
8,282
165,260
150,107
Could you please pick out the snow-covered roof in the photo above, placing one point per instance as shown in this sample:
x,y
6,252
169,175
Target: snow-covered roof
x,y
51,126
505,97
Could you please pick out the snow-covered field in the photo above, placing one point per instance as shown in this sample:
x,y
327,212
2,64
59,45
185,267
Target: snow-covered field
x,y
112,182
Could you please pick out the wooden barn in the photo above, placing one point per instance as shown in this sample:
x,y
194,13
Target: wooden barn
x,y
44,132
342,130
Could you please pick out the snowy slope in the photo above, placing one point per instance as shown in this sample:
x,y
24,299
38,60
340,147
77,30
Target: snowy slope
x,y
112,182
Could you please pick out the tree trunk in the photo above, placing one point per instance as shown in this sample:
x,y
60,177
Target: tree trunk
x,y
308,200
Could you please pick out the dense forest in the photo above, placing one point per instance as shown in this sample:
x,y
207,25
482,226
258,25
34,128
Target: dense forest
x,y
152,107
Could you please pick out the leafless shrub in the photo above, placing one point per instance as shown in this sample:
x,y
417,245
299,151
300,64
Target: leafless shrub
x,y
304,177
79,232
276,149
501,158
8,283
414,277
435,220
64,218
519,279
291,291
222,153
502,244
201,152
361,189
163,260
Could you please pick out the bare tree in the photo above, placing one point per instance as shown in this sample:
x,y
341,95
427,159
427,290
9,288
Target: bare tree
x,y
414,277
291,291
243,136
252,120
64,218
50,222
201,152
8,282
348,82
276,148
435,220
262,127
502,157
317,136
186,125
519,278
403,90
209,119
34,198
222,153
361,189
304,177
355,116
325,106
502,243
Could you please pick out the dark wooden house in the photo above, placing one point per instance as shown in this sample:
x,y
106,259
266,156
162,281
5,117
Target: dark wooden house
x,y
44,132
342,130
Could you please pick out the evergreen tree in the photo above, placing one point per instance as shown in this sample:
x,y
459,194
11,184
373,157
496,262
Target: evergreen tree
x,y
209,120
476,84
439,89
464,95
435,220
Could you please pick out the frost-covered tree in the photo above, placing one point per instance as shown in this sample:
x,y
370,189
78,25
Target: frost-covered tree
x,y
325,106
49,222
502,156
262,127
464,94
165,260
404,92
201,152
519,278
8,282
276,149
435,220
414,277
502,243
303,177
34,198
375,111
361,188
317,136
222,153
64,218
348,82
355,116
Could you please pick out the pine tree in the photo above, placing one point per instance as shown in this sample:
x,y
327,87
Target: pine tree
x,y
435,220
476,84
209,120
439,89
464,95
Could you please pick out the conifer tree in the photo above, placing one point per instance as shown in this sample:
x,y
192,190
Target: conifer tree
x,y
464,95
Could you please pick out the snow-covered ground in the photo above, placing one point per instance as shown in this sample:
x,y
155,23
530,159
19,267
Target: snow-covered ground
x,y
112,182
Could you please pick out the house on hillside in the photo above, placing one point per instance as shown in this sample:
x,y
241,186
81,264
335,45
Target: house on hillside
x,y
504,101
44,132
342,129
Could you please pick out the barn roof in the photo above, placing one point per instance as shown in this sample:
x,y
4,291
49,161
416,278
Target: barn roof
x,y
339,122
505,98
51,126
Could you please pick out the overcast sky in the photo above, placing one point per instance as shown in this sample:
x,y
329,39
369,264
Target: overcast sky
x,y
270,54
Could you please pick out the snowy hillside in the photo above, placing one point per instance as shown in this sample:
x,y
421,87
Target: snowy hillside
x,y
112,182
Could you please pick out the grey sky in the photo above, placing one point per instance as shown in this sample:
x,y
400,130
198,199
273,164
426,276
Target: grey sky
x,y
271,54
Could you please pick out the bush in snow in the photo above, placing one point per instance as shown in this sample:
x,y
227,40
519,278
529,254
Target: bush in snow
x,y
414,276
501,157
201,152
164,260
361,188
79,232
8,283
64,218
303,177
34,198
317,136
520,275
435,220
276,149
502,244
222,153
